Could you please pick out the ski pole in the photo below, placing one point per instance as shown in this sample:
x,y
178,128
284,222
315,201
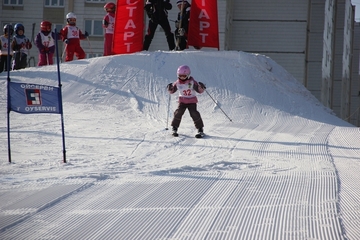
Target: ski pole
x,y
167,118
90,46
218,105
62,56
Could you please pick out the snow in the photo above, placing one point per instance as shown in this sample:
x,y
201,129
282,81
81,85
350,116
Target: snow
x,y
285,167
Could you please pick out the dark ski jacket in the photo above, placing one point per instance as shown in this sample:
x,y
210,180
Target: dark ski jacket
x,y
157,9
184,18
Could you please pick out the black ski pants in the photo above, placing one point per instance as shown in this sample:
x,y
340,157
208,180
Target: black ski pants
x,y
195,115
164,23
4,64
20,60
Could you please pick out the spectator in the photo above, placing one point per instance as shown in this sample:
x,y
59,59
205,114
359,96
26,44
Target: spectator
x,y
157,12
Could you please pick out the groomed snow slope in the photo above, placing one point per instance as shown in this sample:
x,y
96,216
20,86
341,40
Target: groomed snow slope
x,y
283,168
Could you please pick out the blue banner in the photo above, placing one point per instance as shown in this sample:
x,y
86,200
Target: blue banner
x,y
34,98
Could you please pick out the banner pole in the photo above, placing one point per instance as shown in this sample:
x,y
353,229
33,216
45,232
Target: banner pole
x,y
60,96
8,93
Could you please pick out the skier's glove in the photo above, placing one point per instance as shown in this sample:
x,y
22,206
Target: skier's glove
x,y
28,44
202,85
66,41
44,50
105,23
169,87
148,8
167,5
86,34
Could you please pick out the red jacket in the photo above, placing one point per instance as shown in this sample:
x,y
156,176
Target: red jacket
x,y
72,33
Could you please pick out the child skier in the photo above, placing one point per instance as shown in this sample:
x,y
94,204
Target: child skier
x,y
21,45
4,46
45,42
71,35
109,24
182,24
187,87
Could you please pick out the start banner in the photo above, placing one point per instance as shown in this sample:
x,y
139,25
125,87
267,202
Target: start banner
x,y
203,25
129,24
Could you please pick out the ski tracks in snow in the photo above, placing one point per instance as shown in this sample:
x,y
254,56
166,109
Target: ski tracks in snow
x,y
341,140
268,177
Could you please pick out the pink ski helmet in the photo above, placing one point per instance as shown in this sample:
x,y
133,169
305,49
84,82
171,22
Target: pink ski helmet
x,y
183,72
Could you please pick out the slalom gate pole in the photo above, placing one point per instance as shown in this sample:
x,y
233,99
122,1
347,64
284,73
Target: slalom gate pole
x,y
8,94
218,105
60,96
168,110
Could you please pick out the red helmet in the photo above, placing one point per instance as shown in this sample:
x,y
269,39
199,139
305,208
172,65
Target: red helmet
x,y
110,7
45,26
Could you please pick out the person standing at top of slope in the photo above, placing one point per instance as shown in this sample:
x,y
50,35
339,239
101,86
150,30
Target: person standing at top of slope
x,y
108,25
21,45
71,35
157,12
187,87
182,24
4,47
45,42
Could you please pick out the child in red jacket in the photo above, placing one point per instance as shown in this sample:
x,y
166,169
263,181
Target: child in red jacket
x,y
187,87
71,35
108,25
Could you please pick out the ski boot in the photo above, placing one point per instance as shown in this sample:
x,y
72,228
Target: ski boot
x,y
200,133
174,132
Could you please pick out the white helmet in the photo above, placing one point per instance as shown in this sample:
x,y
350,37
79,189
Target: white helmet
x,y
70,15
